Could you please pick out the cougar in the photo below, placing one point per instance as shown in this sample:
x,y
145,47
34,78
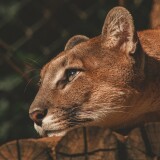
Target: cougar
x,y
111,80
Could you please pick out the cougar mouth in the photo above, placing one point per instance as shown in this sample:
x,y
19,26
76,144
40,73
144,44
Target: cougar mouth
x,y
49,132
58,132
52,126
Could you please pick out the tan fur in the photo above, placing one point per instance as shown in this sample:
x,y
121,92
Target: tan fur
x,y
118,83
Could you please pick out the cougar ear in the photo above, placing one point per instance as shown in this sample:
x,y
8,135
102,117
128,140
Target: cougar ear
x,y
73,41
118,30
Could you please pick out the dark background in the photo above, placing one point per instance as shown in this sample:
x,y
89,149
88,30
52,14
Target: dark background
x,y
34,31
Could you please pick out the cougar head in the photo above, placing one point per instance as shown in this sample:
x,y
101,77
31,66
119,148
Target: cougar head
x,y
92,80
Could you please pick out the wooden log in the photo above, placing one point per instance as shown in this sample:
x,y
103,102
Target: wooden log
x,y
153,134
29,149
144,142
135,146
92,143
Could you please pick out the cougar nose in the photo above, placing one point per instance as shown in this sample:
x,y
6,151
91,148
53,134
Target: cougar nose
x,y
37,116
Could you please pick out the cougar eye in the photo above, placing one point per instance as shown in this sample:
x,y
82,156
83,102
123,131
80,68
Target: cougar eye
x,y
71,74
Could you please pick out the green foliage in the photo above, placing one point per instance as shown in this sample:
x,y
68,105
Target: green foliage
x,y
10,82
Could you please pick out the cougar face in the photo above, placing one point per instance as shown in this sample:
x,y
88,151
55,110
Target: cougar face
x,y
92,81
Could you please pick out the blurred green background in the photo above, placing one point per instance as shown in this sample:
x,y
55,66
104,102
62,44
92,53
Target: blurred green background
x,y
34,31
